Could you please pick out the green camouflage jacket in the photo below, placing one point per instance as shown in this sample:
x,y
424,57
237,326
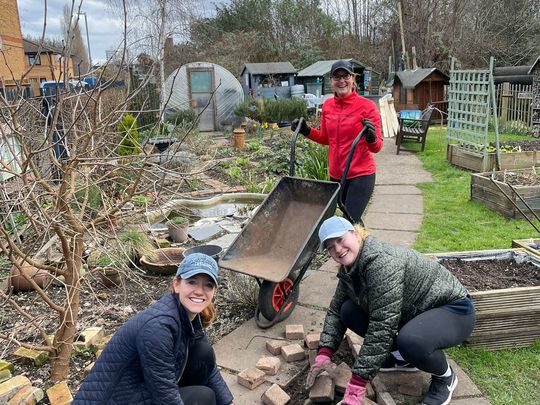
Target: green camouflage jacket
x,y
392,285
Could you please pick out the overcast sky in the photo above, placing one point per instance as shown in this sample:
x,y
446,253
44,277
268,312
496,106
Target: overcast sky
x,y
104,27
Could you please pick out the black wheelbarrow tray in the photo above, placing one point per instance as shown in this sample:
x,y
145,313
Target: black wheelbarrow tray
x,y
278,243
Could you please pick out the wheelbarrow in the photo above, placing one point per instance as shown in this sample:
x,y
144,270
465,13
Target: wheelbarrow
x,y
278,243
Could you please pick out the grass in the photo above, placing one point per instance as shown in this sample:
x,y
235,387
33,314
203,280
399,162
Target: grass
x,y
454,223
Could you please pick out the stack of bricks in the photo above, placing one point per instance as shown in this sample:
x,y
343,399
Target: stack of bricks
x,y
18,389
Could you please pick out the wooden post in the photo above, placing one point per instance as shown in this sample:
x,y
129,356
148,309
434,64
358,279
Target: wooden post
x,y
506,94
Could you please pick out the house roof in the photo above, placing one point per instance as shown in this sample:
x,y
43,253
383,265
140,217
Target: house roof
x,y
322,67
269,68
32,47
410,78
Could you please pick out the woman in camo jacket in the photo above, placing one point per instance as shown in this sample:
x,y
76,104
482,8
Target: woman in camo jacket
x,y
406,306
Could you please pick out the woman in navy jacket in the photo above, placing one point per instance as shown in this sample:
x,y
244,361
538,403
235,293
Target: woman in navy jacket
x,y
162,355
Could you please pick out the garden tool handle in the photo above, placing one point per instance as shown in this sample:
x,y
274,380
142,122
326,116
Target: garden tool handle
x,y
293,146
341,203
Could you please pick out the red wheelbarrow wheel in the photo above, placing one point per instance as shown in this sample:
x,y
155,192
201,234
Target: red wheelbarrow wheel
x,y
272,297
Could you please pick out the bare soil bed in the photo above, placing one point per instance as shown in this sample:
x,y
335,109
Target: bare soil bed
x,y
111,307
515,178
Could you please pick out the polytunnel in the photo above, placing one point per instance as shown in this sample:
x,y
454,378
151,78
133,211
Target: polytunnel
x,y
210,90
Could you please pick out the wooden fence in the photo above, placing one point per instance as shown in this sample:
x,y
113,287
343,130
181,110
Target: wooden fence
x,y
514,105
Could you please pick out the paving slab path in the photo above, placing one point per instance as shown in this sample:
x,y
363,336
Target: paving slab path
x,y
395,215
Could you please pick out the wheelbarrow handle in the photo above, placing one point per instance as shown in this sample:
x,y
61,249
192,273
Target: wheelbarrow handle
x,y
341,203
292,159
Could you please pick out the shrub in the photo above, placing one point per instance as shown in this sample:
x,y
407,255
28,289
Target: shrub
x,y
130,136
182,117
284,109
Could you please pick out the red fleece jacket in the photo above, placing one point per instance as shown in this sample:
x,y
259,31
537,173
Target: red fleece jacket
x,y
341,122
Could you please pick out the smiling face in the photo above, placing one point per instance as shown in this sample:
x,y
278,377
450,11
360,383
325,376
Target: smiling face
x,y
343,249
195,293
342,82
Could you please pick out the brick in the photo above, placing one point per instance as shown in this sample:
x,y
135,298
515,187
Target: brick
x,y
10,387
34,357
89,337
385,398
294,332
275,396
274,346
370,392
88,368
323,389
27,396
410,384
251,377
293,352
312,340
312,355
270,365
342,378
59,394
353,338
5,375
102,343
6,365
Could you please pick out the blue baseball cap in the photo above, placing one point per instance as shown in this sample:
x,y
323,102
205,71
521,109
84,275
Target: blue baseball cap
x,y
197,263
333,227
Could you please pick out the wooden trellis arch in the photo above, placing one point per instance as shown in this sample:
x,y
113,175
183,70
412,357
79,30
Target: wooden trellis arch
x,y
471,104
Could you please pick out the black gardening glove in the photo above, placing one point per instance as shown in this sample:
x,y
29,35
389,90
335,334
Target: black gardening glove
x,y
304,128
370,135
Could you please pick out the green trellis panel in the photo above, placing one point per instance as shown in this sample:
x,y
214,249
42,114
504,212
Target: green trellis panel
x,y
471,99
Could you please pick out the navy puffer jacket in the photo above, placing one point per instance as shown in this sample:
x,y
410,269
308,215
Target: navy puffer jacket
x,y
145,358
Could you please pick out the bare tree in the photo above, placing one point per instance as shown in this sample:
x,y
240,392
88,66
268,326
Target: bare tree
x,y
73,39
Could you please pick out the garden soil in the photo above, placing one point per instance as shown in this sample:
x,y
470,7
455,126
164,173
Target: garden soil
x,y
111,307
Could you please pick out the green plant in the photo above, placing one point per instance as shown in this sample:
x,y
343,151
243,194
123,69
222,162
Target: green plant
x,y
251,108
267,185
127,128
254,145
19,219
284,109
135,242
178,220
315,164
106,261
182,117
242,161
141,200
235,173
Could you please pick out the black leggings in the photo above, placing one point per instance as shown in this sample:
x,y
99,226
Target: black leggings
x,y
193,384
356,194
421,340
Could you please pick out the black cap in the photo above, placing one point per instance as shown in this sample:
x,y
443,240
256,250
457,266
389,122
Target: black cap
x,y
341,64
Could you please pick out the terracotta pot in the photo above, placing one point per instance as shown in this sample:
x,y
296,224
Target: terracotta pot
x,y
178,233
239,138
109,276
19,283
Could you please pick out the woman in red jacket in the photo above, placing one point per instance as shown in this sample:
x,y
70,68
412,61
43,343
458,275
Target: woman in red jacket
x,y
343,117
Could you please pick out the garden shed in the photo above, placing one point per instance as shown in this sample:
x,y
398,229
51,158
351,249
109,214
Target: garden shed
x,y
268,80
210,90
316,78
512,74
414,89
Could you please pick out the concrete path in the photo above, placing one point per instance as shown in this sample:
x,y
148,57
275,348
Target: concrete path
x,y
395,215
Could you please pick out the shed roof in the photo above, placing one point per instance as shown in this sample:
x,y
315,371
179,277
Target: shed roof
x,y
411,78
269,68
322,67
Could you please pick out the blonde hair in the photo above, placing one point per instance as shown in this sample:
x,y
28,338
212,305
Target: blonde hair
x,y
361,233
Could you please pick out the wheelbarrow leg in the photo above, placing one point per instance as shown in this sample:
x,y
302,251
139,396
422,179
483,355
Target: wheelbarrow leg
x,y
284,310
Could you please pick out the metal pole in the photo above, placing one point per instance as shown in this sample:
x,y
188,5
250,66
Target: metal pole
x,y
87,41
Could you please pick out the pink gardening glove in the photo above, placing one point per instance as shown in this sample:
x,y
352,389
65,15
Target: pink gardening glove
x,y
322,363
355,392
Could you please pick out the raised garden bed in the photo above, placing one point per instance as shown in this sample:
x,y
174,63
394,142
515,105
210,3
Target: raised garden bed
x,y
524,182
531,245
474,160
505,317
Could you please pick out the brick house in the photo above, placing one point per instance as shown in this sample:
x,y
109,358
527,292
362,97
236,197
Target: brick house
x,y
47,62
11,44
